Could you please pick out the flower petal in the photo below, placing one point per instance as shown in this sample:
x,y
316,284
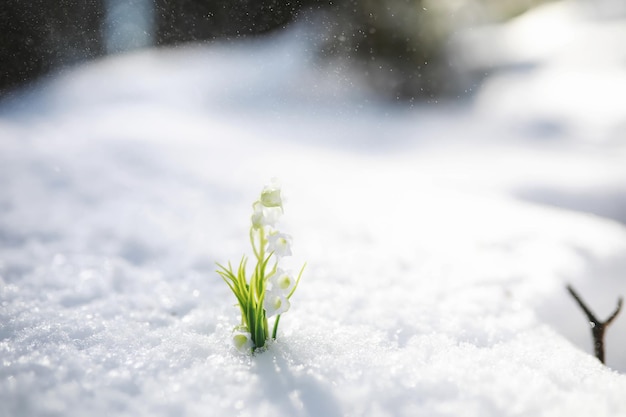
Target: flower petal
x,y
264,216
270,196
275,303
242,339
279,243
282,281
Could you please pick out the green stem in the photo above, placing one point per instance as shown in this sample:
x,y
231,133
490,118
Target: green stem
x,y
261,245
261,327
275,327
256,253
260,254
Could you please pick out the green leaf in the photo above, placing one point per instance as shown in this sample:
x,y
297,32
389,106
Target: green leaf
x,y
297,281
275,327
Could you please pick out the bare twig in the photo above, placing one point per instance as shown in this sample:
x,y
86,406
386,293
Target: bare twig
x,y
597,327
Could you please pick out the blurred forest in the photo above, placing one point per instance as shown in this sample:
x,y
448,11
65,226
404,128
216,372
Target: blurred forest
x,y
399,45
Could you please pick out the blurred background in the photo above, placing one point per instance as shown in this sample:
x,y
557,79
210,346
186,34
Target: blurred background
x,y
404,49
540,71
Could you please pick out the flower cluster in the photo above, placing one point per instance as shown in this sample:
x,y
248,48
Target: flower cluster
x,y
267,292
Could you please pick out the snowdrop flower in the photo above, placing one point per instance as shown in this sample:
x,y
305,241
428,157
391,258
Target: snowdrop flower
x,y
282,282
275,303
280,244
266,291
263,216
270,196
242,339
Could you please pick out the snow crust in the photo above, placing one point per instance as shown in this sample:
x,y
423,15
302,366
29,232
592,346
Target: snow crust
x,y
438,240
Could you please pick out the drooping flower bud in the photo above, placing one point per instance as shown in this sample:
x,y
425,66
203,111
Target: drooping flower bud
x,y
242,339
282,281
280,244
271,197
275,303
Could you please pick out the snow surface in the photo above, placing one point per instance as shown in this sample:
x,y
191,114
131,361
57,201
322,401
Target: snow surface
x,y
438,239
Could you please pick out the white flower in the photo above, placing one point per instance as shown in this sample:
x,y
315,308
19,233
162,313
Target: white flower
x,y
275,303
279,243
264,216
282,282
242,339
270,196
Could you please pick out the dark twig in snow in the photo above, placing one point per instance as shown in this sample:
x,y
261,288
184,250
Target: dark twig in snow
x,y
597,327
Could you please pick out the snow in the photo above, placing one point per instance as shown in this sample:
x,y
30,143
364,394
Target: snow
x,y
438,241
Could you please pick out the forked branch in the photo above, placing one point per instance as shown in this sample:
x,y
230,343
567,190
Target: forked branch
x,y
598,327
